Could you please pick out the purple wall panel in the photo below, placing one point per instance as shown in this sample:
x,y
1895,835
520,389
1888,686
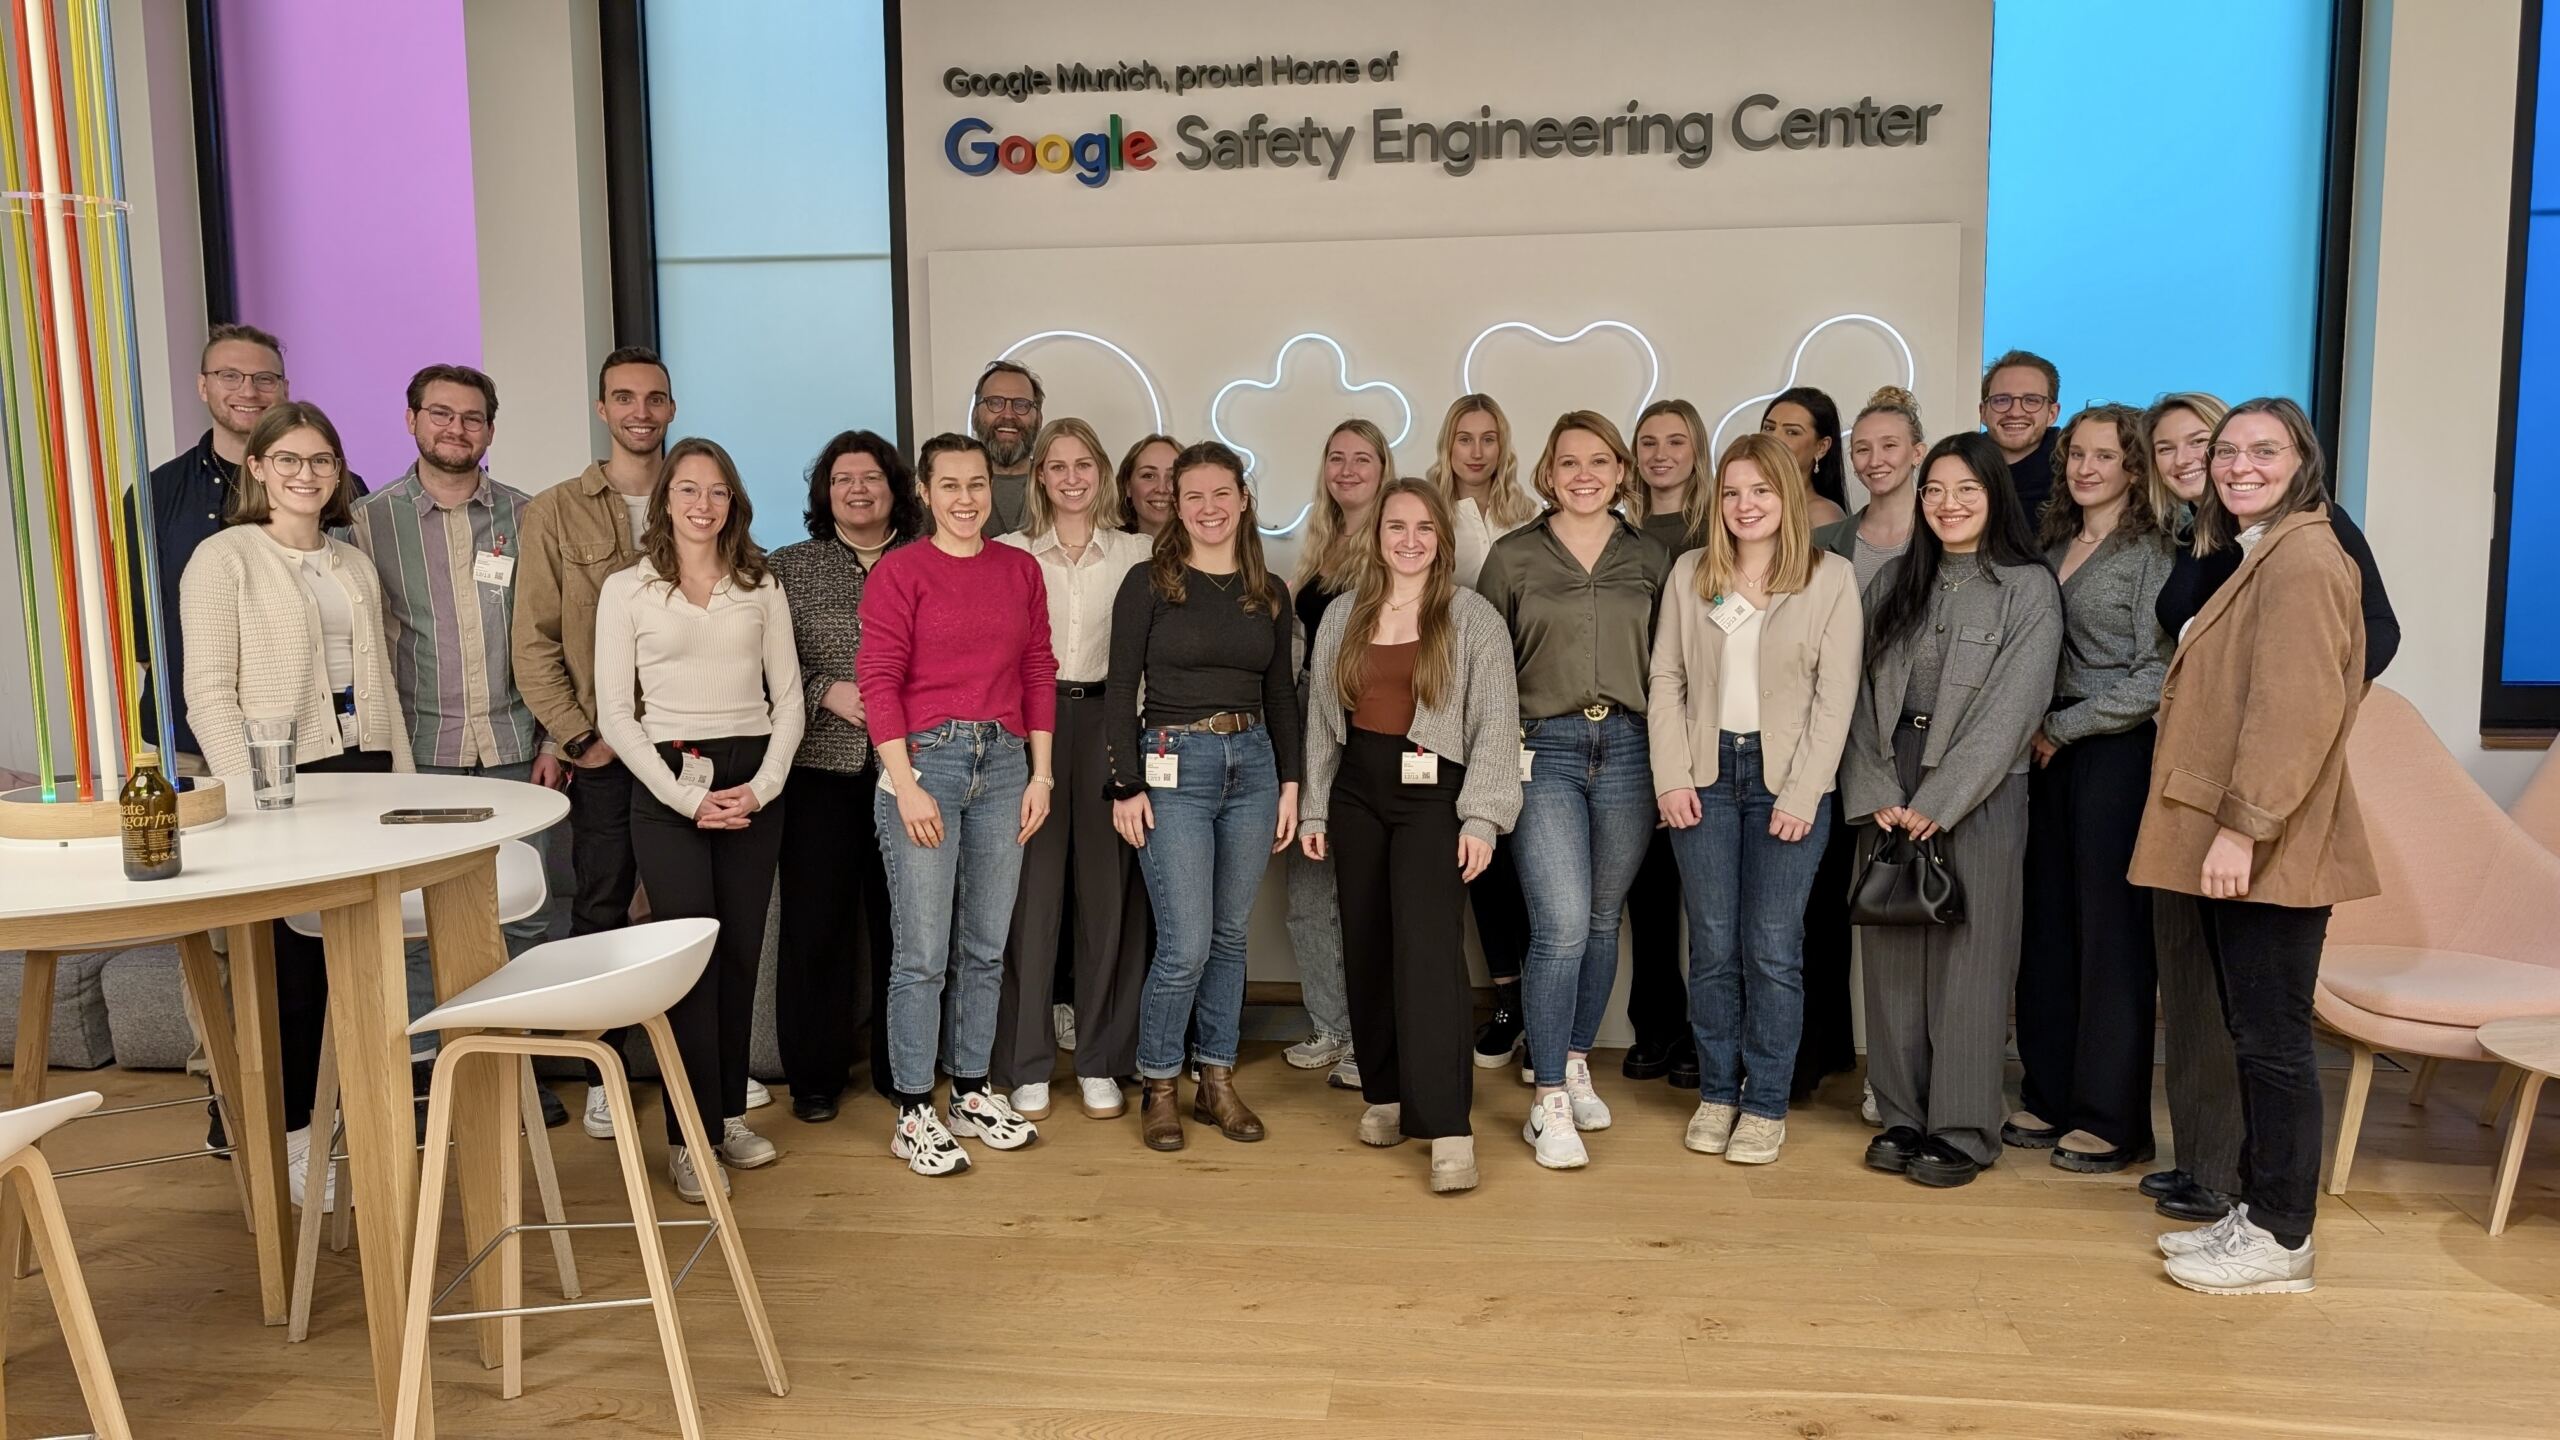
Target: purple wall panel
x,y
353,230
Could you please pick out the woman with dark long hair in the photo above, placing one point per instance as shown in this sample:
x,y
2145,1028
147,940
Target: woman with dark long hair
x,y
1962,637
698,690
1807,422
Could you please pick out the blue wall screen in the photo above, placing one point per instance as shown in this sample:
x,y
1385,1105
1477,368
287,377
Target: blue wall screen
x,y
2532,633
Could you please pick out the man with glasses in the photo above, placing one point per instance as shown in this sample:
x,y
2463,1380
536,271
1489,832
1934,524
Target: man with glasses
x,y
2020,396
1005,416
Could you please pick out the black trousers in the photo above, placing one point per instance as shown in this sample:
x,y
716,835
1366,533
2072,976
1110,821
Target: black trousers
x,y
1394,849
1829,1042
1657,991
2268,959
600,856
725,875
2087,971
1080,896
835,924
302,972
1502,922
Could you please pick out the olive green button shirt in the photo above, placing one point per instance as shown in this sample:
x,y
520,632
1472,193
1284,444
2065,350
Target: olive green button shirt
x,y
1582,637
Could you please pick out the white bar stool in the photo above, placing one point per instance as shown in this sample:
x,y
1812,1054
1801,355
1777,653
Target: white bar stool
x,y
522,891
20,1129
556,999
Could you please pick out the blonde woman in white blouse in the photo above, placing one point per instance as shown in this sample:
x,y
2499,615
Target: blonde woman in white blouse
x,y
698,636
280,620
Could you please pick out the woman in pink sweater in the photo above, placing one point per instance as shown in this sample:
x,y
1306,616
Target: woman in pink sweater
x,y
960,685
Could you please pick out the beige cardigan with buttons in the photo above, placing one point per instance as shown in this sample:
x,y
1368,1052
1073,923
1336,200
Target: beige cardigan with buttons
x,y
253,648
1809,665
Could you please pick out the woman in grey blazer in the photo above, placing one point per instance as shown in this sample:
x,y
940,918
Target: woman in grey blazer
x,y
1962,637
1413,725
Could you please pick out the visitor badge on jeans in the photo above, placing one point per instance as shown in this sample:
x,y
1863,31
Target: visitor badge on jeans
x,y
1422,768
696,770
1164,772
1729,612
1528,758
490,568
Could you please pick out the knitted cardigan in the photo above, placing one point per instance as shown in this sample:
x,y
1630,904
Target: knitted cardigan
x,y
253,648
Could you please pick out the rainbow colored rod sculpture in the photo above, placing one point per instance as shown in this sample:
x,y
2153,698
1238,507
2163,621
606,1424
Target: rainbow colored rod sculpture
x,y
70,397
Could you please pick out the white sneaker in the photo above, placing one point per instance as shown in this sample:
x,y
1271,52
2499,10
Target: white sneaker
x,y
688,1184
297,1160
743,1147
1345,1074
1867,1109
1550,1131
1711,1127
1382,1126
598,1119
924,1144
986,1114
2203,1237
1062,1025
758,1097
1316,1052
1756,1140
1528,1072
1032,1100
1590,1112
2245,1261
1102,1098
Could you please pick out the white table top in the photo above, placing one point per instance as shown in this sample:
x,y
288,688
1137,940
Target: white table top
x,y
2532,1041
333,831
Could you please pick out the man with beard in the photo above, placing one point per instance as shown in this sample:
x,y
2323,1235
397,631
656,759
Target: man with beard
x,y
2021,394
444,537
1006,419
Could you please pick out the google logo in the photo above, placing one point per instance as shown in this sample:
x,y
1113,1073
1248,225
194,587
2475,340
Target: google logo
x,y
1092,155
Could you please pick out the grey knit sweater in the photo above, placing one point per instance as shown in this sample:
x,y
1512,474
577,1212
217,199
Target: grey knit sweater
x,y
2113,654
1476,723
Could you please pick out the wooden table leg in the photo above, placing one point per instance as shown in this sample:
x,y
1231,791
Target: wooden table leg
x,y
464,940
27,1075
369,1020
209,1015
2528,1096
258,1100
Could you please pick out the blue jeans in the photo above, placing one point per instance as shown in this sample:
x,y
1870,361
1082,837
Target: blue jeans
x,y
1746,890
522,935
950,907
1204,863
1586,816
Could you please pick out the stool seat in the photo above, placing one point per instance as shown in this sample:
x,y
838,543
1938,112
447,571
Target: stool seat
x,y
602,981
521,891
28,1124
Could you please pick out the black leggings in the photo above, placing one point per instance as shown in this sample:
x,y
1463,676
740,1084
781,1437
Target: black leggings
x,y
302,972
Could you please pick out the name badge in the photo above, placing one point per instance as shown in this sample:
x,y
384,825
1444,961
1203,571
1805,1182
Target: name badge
x,y
494,569
1729,612
1422,768
695,771
1164,772
1528,758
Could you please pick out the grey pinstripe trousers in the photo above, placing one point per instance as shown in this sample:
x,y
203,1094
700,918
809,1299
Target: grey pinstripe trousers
x,y
1938,995
2203,1079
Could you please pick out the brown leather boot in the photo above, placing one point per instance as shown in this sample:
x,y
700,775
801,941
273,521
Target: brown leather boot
x,y
1217,1103
1160,1114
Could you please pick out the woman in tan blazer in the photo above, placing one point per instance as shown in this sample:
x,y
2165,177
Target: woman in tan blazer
x,y
2252,810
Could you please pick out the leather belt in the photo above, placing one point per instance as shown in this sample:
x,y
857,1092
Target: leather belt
x,y
1225,722
1079,689
1916,722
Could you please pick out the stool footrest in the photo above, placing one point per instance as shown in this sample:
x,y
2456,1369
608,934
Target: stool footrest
x,y
207,1152
710,1232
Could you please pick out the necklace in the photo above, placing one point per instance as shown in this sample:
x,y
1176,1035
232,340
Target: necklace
x,y
1225,584
1405,604
1949,587
2091,539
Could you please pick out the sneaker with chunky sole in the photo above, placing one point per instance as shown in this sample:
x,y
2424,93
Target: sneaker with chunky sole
x,y
923,1142
2204,1237
744,1148
1031,1101
689,1184
1868,1110
758,1097
1382,1126
1551,1133
1711,1127
1756,1140
597,1120
1316,1052
2245,1261
1062,1026
1101,1095
1345,1074
1590,1112
990,1117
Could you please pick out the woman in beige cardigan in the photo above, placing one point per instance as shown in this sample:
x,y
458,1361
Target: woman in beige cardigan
x,y
283,621
1755,672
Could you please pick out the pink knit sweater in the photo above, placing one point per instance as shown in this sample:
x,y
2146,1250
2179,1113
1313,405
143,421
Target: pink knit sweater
x,y
945,638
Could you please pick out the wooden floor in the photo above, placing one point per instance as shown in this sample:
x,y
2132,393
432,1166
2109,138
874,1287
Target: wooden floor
x,y
1310,1286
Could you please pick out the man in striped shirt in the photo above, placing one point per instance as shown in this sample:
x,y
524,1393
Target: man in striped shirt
x,y
443,538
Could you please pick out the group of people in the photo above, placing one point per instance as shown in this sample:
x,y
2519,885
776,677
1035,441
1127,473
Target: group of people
x,y
1025,727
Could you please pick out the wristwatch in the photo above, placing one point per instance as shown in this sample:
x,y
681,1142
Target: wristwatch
x,y
573,748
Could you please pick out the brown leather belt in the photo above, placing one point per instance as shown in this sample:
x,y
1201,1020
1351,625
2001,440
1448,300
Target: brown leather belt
x,y
1225,722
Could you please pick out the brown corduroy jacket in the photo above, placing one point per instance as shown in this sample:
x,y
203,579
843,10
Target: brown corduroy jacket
x,y
2254,718
571,537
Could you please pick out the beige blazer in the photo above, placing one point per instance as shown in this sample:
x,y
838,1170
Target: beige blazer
x,y
253,648
1809,666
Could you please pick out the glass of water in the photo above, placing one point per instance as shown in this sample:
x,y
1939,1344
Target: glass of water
x,y
271,761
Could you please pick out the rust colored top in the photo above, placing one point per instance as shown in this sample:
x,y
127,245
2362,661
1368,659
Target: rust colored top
x,y
1385,706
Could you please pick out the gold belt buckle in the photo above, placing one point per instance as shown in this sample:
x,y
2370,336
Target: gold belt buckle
x,y
1596,713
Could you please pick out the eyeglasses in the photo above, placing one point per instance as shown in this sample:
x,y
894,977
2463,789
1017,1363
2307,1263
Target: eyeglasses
x,y
231,379
324,466
1964,492
2264,452
2005,403
999,405
443,417
688,491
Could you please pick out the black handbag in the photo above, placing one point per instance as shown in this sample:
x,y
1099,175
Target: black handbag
x,y
1906,882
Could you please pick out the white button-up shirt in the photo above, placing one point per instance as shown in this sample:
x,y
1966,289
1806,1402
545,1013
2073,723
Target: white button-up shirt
x,y
1081,594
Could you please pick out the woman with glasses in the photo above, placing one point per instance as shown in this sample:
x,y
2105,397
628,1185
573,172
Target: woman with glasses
x,y
1962,639
835,926
1204,781
698,690
2252,809
2086,974
283,624
1577,591
1807,422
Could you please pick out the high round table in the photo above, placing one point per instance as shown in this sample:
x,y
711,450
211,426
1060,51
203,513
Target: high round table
x,y
329,853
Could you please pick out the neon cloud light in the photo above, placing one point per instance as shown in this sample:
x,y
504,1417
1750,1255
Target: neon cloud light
x,y
1653,377
1155,402
1910,371
1279,360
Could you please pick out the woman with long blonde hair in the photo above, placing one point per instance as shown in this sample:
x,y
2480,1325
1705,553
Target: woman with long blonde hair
x,y
1477,473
